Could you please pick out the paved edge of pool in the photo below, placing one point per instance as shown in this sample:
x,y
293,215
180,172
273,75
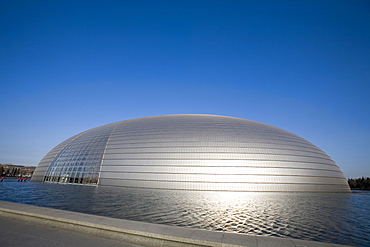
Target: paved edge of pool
x,y
141,233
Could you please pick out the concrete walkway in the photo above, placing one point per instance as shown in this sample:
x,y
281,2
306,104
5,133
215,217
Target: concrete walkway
x,y
18,233
37,226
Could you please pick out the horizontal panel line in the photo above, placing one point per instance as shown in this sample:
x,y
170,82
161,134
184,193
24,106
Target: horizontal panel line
x,y
213,174
210,137
219,147
183,134
264,174
286,168
306,145
226,166
289,155
196,129
218,190
279,167
189,159
215,182
186,128
171,139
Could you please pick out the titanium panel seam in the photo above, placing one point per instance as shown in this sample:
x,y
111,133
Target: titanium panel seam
x,y
105,148
177,166
289,155
209,159
216,182
260,175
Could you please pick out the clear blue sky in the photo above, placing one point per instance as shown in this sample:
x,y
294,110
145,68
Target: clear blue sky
x,y
68,66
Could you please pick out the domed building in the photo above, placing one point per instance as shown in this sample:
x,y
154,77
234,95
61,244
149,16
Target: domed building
x,y
192,152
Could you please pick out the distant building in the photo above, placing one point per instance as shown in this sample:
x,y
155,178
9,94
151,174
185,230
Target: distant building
x,y
9,170
192,152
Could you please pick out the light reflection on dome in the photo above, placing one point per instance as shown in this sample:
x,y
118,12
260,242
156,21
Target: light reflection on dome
x,y
192,152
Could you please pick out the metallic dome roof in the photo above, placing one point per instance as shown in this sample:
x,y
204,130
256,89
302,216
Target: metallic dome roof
x,y
192,152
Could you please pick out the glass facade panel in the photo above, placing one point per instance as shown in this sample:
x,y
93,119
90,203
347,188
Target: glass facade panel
x,y
80,160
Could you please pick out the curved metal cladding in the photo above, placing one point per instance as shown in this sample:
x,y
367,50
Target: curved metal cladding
x,y
196,152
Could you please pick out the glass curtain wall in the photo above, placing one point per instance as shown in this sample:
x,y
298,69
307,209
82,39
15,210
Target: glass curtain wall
x,y
79,162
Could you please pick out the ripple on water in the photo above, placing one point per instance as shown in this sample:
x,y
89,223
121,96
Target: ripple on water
x,y
337,218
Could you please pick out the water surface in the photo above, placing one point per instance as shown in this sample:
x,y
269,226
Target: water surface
x,y
337,218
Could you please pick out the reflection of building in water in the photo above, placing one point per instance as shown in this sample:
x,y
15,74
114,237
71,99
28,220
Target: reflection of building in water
x,y
192,152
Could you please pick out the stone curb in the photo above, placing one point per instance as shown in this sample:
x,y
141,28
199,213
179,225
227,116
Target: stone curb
x,y
141,233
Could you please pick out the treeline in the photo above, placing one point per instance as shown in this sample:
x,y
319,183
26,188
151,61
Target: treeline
x,y
359,183
9,170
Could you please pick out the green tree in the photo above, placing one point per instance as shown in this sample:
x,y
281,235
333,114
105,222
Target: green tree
x,y
359,183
